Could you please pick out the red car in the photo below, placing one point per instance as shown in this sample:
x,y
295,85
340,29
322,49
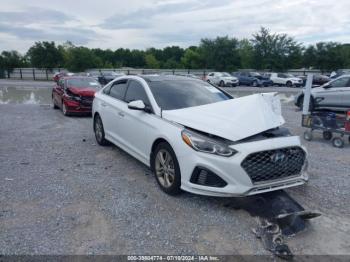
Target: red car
x,y
74,95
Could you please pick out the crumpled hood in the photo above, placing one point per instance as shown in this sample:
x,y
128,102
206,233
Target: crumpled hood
x,y
233,119
87,91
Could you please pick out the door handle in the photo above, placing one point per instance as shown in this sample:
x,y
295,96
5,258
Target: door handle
x,y
121,114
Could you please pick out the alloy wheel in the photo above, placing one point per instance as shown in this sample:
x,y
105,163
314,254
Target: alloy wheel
x,y
98,129
164,168
64,109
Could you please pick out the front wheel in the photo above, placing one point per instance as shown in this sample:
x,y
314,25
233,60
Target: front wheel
x,y
222,83
255,83
99,131
166,169
54,103
64,109
338,142
289,84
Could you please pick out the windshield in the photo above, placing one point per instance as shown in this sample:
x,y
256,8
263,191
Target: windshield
x,y
226,74
289,75
255,74
177,94
83,83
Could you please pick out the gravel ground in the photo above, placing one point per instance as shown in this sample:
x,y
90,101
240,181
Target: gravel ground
x,y
60,193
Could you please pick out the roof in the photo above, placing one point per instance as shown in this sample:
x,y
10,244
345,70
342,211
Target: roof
x,y
75,77
158,78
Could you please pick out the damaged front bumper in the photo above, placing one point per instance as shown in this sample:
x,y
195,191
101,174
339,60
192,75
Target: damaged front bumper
x,y
238,180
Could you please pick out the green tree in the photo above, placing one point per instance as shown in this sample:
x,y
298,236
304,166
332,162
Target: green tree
x,y
12,59
191,59
246,54
81,58
273,51
45,55
220,53
151,62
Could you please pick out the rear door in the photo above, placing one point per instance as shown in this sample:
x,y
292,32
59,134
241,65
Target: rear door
x,y
112,110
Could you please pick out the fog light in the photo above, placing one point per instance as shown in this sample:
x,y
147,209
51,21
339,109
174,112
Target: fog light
x,y
202,177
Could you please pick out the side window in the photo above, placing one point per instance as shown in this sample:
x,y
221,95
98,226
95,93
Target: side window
x,y
117,90
341,82
211,74
136,92
280,75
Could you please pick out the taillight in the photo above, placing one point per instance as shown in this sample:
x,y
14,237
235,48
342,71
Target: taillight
x,y
348,116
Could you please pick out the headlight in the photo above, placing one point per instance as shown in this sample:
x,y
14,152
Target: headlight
x,y
71,96
205,144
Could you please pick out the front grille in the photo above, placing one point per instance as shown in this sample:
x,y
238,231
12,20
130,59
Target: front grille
x,y
86,100
274,164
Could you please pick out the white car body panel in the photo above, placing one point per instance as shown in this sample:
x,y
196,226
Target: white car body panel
x,y
136,131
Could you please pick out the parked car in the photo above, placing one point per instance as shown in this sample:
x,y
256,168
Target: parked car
x,y
74,95
253,79
222,79
107,77
189,75
334,95
197,138
56,77
284,79
317,80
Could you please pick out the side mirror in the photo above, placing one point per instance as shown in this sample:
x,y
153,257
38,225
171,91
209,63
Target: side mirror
x,y
137,105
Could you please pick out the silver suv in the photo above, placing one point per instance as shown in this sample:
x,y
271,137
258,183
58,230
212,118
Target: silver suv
x,y
334,95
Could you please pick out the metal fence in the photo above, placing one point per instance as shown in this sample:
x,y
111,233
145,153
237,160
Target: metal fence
x,y
47,74
30,73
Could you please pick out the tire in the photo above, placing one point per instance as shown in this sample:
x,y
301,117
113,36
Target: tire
x,y
289,84
162,161
255,83
338,142
222,83
54,106
308,135
64,109
327,135
99,131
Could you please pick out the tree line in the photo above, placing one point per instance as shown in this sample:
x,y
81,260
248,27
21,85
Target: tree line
x,y
264,51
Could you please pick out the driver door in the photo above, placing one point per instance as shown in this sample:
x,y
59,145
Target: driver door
x,y
138,125
58,92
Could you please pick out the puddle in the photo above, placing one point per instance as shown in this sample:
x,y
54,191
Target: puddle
x,y
14,95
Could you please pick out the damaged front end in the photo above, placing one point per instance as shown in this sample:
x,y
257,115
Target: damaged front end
x,y
242,143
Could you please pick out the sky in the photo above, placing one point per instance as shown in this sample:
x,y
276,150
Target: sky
x,y
158,23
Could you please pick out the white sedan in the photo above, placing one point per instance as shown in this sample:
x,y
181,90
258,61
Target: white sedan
x,y
197,138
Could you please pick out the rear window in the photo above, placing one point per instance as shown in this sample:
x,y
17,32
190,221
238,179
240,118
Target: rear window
x,y
177,94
